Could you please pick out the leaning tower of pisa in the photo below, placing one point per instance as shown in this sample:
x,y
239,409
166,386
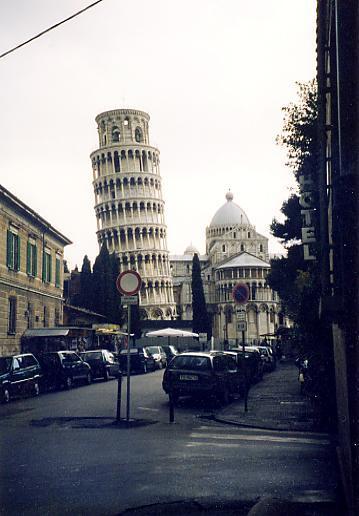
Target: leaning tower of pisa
x,y
129,206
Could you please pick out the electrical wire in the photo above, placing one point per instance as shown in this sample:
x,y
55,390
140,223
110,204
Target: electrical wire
x,y
50,28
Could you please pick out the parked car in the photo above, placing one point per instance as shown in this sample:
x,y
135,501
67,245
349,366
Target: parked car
x,y
253,360
269,360
159,355
202,374
141,361
103,363
63,369
171,351
19,374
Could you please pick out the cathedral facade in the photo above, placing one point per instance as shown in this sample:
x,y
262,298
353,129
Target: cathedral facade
x,y
235,253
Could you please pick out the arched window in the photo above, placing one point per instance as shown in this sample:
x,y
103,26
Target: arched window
x,y
115,134
116,162
261,248
138,135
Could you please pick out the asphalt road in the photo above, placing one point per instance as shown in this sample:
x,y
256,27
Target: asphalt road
x,y
61,454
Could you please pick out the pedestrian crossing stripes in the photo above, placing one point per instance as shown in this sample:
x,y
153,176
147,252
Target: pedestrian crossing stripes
x,y
231,439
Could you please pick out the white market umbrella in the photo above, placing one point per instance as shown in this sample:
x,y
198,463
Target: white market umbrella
x,y
171,332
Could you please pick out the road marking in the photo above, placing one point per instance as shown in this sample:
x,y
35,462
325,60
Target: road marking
x,y
271,438
148,409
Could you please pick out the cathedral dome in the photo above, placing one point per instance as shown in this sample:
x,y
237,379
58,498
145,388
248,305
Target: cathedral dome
x,y
229,214
191,250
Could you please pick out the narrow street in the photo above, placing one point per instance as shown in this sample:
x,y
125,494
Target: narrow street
x,y
61,453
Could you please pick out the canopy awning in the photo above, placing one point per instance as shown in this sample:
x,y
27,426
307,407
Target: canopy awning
x,y
171,332
46,332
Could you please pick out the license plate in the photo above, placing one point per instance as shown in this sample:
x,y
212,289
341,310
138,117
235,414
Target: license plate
x,y
188,377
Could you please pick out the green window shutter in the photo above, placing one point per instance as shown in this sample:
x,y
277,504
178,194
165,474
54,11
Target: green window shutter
x,y
18,257
34,261
49,277
43,265
57,274
9,250
28,259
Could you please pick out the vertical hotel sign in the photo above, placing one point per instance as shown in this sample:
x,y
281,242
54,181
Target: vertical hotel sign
x,y
307,204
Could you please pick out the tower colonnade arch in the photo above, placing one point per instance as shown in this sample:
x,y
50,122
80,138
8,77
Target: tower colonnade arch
x,y
129,206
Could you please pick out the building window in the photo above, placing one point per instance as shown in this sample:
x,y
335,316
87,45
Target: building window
x,y
115,134
13,250
242,247
46,266
46,316
31,259
29,316
58,272
223,248
57,317
249,235
138,135
261,248
11,326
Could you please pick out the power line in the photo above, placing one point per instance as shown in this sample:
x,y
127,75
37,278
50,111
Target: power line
x,y
50,28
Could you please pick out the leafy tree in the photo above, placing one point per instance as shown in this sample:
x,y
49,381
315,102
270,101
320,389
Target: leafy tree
x,y
298,281
86,298
201,320
114,309
135,321
66,268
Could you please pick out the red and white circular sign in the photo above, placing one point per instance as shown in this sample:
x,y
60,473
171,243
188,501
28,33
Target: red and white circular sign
x,y
128,283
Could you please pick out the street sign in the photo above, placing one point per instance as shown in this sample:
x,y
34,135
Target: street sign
x,y
128,283
241,315
240,293
242,326
129,300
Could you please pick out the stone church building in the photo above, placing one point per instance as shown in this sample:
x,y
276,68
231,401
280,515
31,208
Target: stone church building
x,y
235,253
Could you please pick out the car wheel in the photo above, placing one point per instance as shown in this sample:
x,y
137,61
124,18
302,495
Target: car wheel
x,y
5,395
89,378
36,389
68,382
106,376
160,365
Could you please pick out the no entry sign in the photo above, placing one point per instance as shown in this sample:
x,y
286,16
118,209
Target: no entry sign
x,y
240,293
128,283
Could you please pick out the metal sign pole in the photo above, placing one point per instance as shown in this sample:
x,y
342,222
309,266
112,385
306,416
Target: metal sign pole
x,y
128,361
245,371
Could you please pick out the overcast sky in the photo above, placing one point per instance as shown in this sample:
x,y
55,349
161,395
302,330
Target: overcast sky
x,y
212,74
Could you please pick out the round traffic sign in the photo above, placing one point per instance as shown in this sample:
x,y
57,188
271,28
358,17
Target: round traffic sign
x,y
240,293
128,283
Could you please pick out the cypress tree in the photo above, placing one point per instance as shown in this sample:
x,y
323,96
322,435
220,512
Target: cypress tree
x,y
100,270
201,321
86,299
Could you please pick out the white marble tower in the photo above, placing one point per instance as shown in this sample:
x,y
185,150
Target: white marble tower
x,y
129,206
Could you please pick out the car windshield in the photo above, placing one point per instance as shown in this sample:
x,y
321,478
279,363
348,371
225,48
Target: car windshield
x,y
191,362
5,363
153,349
93,355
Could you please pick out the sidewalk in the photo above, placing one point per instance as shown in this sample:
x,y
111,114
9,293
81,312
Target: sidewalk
x,y
275,403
